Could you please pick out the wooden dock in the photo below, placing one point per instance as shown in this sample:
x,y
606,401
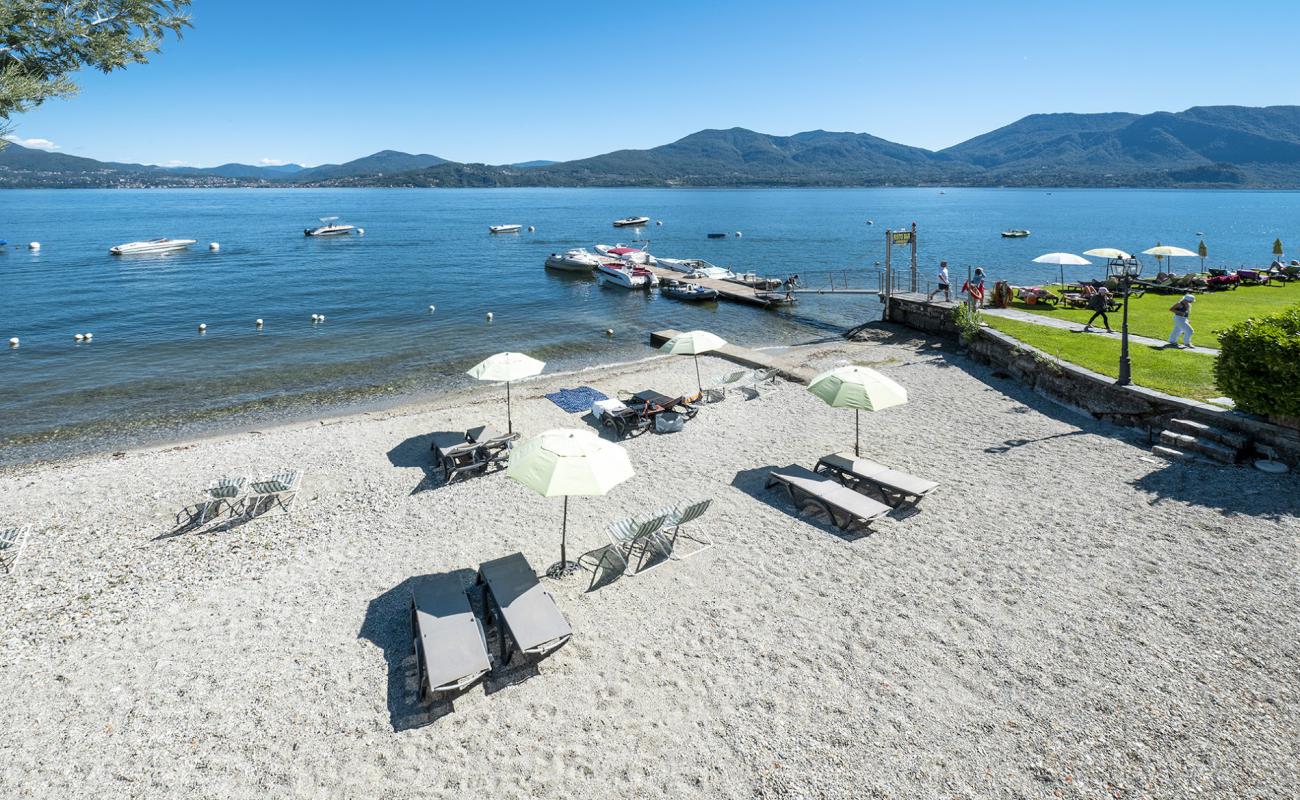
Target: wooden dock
x,y
754,359
734,292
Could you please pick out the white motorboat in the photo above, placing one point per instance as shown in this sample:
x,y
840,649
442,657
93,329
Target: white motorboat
x,y
624,253
696,268
1015,233
329,227
631,222
627,276
505,228
151,246
579,260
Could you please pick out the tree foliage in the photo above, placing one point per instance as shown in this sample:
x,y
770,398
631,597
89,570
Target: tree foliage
x,y
43,42
1259,364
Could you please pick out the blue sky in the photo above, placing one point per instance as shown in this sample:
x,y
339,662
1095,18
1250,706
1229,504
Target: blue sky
x,y
284,80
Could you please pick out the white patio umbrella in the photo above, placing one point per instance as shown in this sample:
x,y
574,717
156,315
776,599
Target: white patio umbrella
x,y
692,343
568,463
506,367
1061,260
858,388
1106,252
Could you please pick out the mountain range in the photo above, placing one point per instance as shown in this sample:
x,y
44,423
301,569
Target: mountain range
x,y
1210,146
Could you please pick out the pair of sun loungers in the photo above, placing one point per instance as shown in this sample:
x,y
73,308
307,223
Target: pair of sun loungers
x,y
240,497
451,647
638,417
755,380
475,452
836,488
659,531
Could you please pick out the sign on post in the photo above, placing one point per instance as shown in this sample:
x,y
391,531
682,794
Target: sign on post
x,y
901,237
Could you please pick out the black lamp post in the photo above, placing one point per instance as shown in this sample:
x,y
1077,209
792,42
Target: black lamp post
x,y
1124,270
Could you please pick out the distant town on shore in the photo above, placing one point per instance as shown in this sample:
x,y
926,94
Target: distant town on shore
x,y
1202,147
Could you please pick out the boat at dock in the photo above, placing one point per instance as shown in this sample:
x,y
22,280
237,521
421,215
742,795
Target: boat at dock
x,y
329,227
151,246
580,261
627,276
505,228
631,222
696,268
690,292
1015,233
622,252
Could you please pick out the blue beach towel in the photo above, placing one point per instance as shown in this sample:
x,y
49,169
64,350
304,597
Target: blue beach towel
x,y
575,400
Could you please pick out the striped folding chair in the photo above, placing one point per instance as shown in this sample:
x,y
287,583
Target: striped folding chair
x,y
12,542
682,515
278,490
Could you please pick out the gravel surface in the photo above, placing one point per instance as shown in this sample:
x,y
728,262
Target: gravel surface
x,y
1067,616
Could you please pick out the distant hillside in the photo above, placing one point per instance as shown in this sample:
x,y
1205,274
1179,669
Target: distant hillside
x,y
1226,146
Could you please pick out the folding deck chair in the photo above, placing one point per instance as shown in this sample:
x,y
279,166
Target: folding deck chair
x,y
806,488
278,490
12,542
897,488
450,647
628,533
526,613
681,515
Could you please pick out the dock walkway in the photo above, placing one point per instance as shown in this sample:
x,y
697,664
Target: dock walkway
x,y
735,292
754,359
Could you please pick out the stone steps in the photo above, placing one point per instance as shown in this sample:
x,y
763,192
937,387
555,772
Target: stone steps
x,y
1172,454
1199,440
1202,431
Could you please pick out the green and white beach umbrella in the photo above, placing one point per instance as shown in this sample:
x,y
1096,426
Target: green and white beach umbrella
x,y
1061,260
858,388
692,343
507,367
568,463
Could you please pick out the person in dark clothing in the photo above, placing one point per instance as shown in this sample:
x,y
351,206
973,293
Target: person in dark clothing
x,y
1097,302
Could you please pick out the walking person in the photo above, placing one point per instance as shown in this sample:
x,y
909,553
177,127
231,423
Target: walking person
x,y
943,284
1182,310
977,285
1097,302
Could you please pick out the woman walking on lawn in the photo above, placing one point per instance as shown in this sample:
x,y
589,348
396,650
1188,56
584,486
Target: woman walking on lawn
x,y
1097,302
1182,310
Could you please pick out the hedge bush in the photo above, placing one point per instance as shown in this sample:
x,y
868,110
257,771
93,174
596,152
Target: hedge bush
x,y
1259,364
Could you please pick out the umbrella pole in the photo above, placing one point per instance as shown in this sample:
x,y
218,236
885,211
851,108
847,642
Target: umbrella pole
x,y
510,425
699,382
563,568
857,431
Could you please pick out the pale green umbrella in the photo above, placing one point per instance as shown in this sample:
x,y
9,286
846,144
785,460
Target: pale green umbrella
x,y
858,388
568,462
506,367
692,343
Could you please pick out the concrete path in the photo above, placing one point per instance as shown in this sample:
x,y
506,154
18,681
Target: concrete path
x,y
1065,324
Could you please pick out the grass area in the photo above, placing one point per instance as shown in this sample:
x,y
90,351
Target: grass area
x,y
1177,372
1213,311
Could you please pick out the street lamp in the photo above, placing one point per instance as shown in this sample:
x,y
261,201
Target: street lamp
x,y
1124,270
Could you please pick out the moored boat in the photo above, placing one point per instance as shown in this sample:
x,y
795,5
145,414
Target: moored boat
x,y
163,245
631,222
573,261
696,268
1015,233
329,227
690,292
505,228
627,276
717,235
624,253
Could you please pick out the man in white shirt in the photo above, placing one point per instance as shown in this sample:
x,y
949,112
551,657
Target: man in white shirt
x,y
943,283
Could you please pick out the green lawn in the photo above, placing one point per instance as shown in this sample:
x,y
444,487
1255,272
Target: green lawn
x,y
1213,311
1177,372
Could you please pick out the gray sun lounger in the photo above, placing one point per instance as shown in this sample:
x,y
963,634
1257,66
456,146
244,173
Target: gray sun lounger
x,y
522,608
450,648
896,487
843,505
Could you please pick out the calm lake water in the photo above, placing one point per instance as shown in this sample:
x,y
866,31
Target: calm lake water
x,y
149,373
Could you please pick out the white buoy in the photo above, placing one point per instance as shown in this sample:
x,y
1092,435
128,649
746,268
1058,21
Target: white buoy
x,y
202,327
609,331
320,317
659,222
739,234
489,316
871,222
90,336
361,231
315,317
531,228
34,246
214,246
79,336
13,342
258,323
432,309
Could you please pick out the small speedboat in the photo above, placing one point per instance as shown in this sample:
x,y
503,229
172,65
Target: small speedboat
x,y
329,227
578,260
624,253
631,222
689,292
505,228
717,235
696,268
1015,233
150,246
627,276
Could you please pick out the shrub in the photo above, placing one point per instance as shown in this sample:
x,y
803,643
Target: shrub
x,y
1259,364
967,321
